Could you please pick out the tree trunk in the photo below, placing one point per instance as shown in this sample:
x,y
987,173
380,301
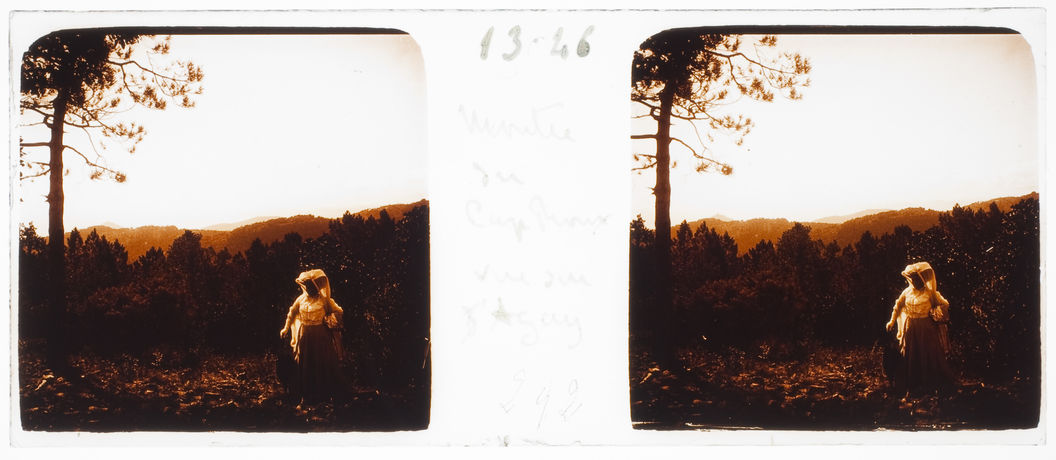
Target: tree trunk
x,y
57,337
663,350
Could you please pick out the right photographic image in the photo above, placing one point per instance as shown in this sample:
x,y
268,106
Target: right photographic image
x,y
837,229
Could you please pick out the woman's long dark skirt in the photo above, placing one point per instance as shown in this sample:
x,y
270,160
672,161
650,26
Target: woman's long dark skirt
x,y
317,367
925,364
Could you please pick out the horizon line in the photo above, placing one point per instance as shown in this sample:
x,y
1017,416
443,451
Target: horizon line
x,y
719,216
206,228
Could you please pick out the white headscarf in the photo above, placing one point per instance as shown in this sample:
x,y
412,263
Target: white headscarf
x,y
926,273
318,279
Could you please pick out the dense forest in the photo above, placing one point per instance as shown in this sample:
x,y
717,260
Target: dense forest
x,y
187,337
790,333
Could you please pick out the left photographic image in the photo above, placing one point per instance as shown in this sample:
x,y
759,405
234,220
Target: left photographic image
x,y
222,229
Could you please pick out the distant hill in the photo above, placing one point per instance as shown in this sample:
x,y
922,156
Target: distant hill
x,y
396,211
748,233
139,240
1004,204
241,238
918,219
233,225
842,219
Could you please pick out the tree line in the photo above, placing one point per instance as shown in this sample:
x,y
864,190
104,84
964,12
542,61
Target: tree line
x,y
189,300
790,296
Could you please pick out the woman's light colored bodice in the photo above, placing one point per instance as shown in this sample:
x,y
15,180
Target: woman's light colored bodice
x,y
312,311
918,303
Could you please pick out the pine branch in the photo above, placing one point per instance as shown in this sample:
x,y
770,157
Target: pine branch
x,y
692,118
91,142
729,58
647,166
92,163
640,101
156,75
684,144
42,173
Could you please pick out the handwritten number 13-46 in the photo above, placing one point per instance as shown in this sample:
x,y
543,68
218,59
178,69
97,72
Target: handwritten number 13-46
x,y
558,48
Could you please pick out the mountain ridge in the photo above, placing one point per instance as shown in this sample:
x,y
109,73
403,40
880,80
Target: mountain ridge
x,y
228,226
138,240
748,233
845,218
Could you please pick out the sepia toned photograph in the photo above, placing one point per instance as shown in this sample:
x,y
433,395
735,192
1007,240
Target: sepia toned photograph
x,y
222,229
837,229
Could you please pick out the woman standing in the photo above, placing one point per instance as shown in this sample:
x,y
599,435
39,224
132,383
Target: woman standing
x,y
917,314
313,324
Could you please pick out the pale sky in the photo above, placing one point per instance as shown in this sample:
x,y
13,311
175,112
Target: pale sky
x,y
322,124
888,122
287,125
